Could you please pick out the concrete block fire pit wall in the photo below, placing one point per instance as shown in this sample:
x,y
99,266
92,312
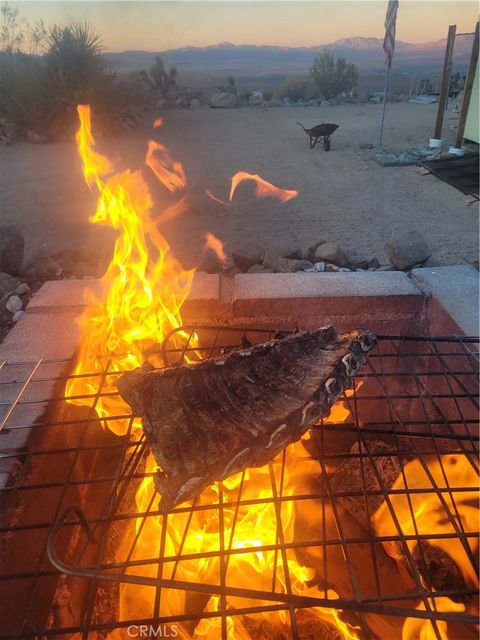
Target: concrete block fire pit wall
x,y
436,301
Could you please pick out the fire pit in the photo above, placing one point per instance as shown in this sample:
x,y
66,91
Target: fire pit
x,y
345,532
366,528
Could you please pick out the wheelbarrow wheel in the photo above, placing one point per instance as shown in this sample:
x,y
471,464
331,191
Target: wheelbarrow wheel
x,y
326,143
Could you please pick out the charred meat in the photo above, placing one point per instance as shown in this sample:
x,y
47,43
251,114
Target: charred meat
x,y
209,420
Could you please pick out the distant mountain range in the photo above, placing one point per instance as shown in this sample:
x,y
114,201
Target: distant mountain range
x,y
261,60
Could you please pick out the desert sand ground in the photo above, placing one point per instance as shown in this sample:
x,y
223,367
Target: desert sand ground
x,y
344,196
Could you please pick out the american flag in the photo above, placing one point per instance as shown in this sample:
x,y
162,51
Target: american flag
x,y
390,26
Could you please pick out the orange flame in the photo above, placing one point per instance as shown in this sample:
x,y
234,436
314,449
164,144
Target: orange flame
x,y
169,172
264,189
246,530
216,245
143,287
424,513
143,290
157,123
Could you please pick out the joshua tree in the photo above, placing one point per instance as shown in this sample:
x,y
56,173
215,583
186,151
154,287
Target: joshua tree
x,y
333,75
159,78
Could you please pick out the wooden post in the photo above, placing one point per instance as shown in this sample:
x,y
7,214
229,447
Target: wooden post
x,y
467,92
447,70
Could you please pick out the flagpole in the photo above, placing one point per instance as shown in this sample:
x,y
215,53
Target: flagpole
x,y
385,89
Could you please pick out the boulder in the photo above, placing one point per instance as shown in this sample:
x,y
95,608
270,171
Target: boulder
x,y
8,284
11,249
407,250
259,268
330,253
223,100
247,259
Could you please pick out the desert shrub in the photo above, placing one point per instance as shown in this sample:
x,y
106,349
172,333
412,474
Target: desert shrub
x,y
42,92
333,75
300,88
24,99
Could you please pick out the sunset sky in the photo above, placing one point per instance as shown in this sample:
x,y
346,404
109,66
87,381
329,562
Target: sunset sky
x,y
162,25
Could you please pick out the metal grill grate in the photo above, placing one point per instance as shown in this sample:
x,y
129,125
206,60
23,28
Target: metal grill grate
x,y
69,507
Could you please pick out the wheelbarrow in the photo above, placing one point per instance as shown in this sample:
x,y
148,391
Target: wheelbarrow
x,y
324,130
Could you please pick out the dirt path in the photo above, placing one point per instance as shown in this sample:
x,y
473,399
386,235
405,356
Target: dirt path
x,y
344,196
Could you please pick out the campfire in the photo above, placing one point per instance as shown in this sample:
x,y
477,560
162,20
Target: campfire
x,y
367,527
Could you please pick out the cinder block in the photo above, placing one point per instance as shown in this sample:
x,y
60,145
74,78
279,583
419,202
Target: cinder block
x,y
456,289
306,294
51,335
66,295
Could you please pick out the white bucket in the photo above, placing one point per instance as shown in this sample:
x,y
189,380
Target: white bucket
x,y
436,143
456,152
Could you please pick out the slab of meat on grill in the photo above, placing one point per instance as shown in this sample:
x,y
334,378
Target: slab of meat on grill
x,y
209,420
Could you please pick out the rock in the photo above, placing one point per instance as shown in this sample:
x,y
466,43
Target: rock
x,y
8,284
408,250
45,268
273,260
247,259
330,252
388,267
373,264
195,103
293,266
17,316
36,138
223,100
259,268
331,267
309,253
14,304
358,263
11,249
210,263
355,260
22,288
